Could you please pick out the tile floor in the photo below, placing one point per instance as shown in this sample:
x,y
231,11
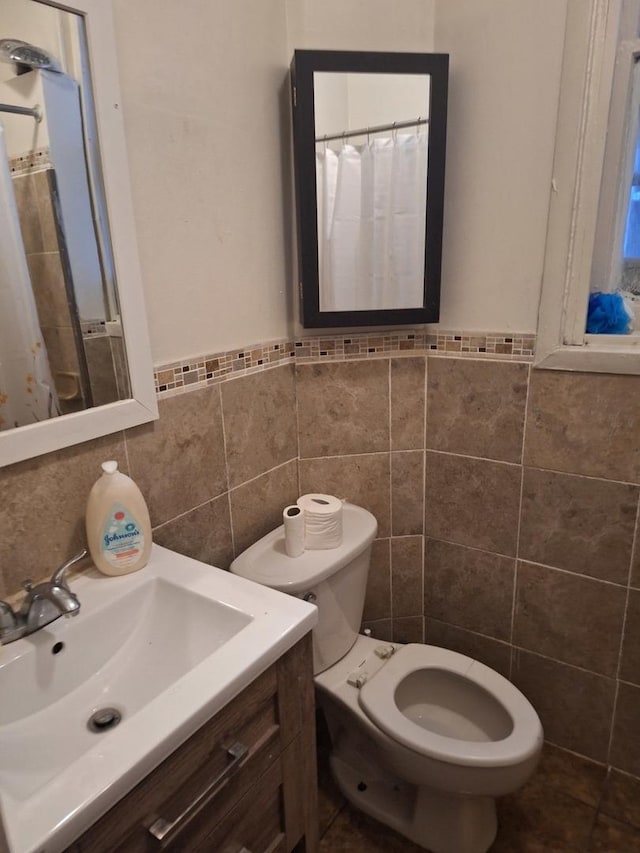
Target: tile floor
x,y
570,806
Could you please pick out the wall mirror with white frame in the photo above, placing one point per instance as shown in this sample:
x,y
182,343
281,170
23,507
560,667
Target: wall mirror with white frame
x,y
593,237
75,360
369,146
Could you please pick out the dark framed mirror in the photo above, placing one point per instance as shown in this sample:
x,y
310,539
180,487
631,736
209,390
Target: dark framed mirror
x,y
369,133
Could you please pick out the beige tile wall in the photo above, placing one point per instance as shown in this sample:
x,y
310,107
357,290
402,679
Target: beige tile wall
x,y
520,490
216,470
520,551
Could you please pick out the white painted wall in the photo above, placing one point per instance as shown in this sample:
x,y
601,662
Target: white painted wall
x,y
384,98
330,102
406,25
503,100
204,90
205,99
348,101
206,105
205,96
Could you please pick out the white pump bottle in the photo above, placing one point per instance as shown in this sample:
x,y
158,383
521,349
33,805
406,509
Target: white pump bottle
x,y
118,523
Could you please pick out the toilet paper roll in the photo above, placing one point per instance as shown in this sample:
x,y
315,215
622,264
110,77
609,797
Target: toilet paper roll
x,y
322,521
293,518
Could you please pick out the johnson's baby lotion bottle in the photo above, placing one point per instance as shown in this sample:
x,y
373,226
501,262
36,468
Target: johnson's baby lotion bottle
x,y
118,524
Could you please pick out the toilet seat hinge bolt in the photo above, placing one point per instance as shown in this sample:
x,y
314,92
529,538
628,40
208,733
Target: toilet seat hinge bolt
x,y
384,652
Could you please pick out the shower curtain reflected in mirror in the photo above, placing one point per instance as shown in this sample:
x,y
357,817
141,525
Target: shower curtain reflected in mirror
x,y
371,223
27,393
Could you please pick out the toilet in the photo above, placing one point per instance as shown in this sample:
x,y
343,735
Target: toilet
x,y
422,738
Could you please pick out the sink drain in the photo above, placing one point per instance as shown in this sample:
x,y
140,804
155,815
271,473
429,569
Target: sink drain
x,y
104,720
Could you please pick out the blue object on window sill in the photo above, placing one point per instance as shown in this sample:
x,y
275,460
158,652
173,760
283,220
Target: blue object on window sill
x,y
607,315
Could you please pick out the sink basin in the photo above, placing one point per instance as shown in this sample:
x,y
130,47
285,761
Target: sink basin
x,y
142,650
159,652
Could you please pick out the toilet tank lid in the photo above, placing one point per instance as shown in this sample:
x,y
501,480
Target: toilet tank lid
x,y
267,562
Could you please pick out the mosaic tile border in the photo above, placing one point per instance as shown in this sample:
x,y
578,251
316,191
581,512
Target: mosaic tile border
x,y
30,161
223,365
179,376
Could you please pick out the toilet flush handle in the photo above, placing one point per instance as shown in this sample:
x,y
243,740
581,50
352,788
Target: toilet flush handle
x,y
309,596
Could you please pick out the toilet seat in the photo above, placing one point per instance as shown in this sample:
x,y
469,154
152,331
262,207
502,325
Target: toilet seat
x,y
378,699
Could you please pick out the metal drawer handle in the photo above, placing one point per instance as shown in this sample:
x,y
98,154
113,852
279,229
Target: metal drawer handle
x,y
164,830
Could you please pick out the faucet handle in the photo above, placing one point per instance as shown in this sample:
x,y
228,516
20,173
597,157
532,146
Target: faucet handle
x,y
8,619
58,576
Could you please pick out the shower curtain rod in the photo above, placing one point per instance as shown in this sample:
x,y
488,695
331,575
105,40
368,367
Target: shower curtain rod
x,y
34,112
379,128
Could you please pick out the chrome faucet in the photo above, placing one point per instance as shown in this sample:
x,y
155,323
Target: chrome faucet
x,y
42,604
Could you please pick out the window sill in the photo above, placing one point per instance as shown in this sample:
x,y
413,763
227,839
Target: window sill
x,y
598,354
630,340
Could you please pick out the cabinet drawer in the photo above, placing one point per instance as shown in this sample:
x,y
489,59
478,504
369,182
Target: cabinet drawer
x,y
260,798
202,764
255,825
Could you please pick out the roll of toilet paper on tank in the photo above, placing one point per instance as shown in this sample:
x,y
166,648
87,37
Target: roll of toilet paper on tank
x,y
293,518
322,521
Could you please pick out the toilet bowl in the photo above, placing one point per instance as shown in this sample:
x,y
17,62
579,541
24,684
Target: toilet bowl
x,y
423,738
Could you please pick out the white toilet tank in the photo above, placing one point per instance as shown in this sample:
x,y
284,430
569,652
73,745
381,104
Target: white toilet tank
x,y
334,579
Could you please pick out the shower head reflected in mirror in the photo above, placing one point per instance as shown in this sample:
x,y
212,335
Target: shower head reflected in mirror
x,y
27,55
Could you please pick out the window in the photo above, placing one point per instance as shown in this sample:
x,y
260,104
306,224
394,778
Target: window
x,y
593,238
631,243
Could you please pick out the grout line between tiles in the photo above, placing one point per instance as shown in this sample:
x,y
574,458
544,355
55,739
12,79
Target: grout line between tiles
x,y
390,485
337,814
126,453
612,724
233,539
583,476
626,604
622,634
470,547
574,574
533,467
471,631
390,558
297,412
390,494
188,511
476,458
611,678
628,683
514,598
531,562
226,470
263,473
518,648
351,455
425,414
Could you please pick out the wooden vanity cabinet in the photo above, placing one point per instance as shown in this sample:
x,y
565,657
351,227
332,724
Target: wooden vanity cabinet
x,y
250,771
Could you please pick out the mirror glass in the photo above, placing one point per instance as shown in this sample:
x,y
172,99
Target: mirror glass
x,y
369,144
372,134
61,344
